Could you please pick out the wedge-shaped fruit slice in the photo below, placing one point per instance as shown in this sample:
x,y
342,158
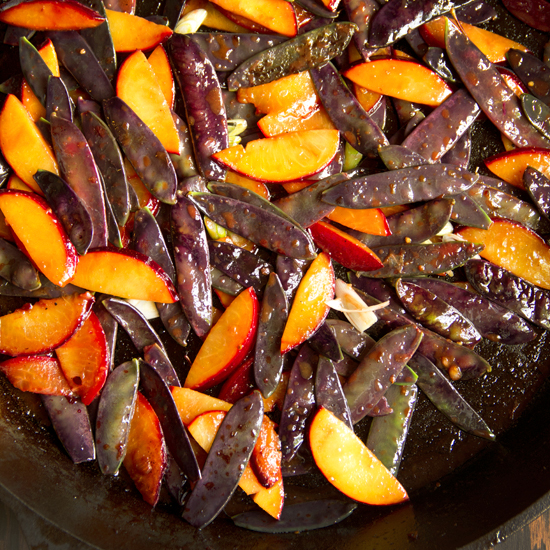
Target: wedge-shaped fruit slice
x,y
145,458
276,15
161,67
131,32
349,465
214,18
46,325
41,233
345,249
266,456
283,158
510,165
126,274
291,121
402,79
22,143
192,403
85,360
515,248
367,220
37,374
138,86
493,45
227,343
44,15
309,308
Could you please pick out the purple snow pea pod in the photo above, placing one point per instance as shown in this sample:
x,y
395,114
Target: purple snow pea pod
x,y
538,186
155,356
13,34
437,60
203,103
58,101
16,268
184,161
325,343
534,73
537,112
34,69
361,13
290,272
351,341
459,153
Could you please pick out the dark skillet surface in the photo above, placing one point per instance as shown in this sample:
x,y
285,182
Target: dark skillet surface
x,y
462,488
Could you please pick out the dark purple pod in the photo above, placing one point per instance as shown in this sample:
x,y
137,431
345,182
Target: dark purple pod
x,y
109,326
412,260
388,433
351,341
109,160
84,105
100,40
175,322
537,112
442,128
226,460
538,186
192,262
447,399
476,12
226,51
488,88
290,272
361,13
299,402
113,230
379,368
436,314
296,518
223,282
346,366
415,225
406,110
174,480
468,212
510,291
325,343
403,186
306,206
458,361
79,59
416,42
177,440
329,393
16,268
437,60
133,322
395,19
46,290
143,149
68,207
397,156
114,415
494,322
459,154
203,103
240,264
268,361
13,34
34,69
345,111
303,52
407,128
184,161
71,423
534,73
263,227
58,101
79,170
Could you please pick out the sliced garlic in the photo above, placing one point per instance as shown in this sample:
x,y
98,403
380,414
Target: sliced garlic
x,y
147,309
191,22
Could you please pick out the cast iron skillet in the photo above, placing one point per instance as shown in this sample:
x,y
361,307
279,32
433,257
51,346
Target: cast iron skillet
x,y
464,491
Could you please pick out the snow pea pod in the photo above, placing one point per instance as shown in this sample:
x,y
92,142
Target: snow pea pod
x,y
299,402
490,91
395,19
387,434
466,211
537,112
459,154
290,272
403,186
240,264
226,51
538,186
351,341
447,399
109,160
143,149
46,290
379,368
441,129
16,268
226,284
534,73
397,156
184,160
79,170
412,260
436,314
116,408
192,262
58,101
79,59
260,226
510,291
493,321
415,225
346,113
361,13
268,361
68,207
203,103
71,423
437,60
34,69
226,460
324,342
305,51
